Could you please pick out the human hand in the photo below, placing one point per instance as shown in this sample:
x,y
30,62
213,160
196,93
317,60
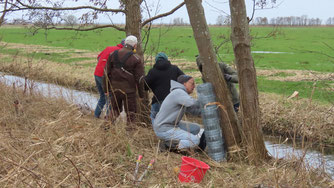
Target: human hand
x,y
227,77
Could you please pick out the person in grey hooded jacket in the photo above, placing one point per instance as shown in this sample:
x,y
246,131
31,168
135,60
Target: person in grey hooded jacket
x,y
168,125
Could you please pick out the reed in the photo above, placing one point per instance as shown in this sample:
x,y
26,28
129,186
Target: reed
x,y
49,143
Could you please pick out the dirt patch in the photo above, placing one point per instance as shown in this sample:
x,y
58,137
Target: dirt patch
x,y
73,53
295,75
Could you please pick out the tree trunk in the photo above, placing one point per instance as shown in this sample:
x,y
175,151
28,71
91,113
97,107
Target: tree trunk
x,y
212,73
250,112
133,27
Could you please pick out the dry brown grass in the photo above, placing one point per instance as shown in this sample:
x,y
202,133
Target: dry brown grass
x,y
78,77
292,118
49,143
298,118
295,75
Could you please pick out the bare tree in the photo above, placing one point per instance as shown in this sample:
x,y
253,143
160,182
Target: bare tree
x,y
250,112
178,21
71,20
49,12
220,20
212,73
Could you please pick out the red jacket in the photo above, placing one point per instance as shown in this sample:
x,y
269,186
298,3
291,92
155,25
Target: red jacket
x,y
103,57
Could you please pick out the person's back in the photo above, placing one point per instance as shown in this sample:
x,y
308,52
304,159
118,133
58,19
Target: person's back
x,y
103,57
122,77
98,74
158,80
231,78
127,77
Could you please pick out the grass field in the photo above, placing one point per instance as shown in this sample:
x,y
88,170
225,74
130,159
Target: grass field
x,y
307,49
49,143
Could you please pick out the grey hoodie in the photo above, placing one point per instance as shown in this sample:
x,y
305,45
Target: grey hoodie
x,y
174,106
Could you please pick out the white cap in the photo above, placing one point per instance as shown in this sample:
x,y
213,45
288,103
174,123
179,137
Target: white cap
x,y
131,40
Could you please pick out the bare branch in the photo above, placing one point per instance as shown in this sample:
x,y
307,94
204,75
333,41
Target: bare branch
x,y
147,34
2,18
252,12
162,15
35,175
87,29
26,7
79,179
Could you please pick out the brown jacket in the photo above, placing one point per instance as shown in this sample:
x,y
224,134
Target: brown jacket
x,y
129,78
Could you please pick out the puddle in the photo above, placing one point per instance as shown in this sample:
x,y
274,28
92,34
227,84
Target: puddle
x,y
270,52
312,158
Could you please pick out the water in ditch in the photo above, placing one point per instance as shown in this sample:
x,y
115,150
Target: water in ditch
x,y
276,148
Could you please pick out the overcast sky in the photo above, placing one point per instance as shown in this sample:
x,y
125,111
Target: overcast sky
x,y
322,9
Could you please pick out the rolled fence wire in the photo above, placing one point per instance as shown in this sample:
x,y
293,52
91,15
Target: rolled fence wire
x,y
211,122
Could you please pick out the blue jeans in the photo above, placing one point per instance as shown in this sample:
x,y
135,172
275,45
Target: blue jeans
x,y
102,100
185,132
154,110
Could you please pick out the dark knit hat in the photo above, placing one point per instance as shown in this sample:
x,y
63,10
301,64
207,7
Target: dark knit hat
x,y
183,78
161,55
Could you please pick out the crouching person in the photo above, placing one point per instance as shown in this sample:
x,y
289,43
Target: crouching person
x,y
168,125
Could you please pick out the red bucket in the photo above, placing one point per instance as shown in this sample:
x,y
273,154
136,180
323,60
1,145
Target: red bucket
x,y
192,170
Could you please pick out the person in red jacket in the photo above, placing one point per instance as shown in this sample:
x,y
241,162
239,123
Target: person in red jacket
x,y
99,71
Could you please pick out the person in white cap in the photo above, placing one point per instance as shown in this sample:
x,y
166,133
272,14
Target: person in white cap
x,y
122,76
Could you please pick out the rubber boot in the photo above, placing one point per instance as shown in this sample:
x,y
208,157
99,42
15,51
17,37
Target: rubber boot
x,y
202,142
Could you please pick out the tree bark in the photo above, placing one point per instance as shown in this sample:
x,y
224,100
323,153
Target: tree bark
x,y
133,27
212,73
250,113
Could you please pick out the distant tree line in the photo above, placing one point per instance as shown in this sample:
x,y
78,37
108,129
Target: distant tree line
x,y
284,21
289,21
221,20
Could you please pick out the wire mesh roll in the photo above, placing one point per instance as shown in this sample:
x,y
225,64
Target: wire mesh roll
x,y
211,122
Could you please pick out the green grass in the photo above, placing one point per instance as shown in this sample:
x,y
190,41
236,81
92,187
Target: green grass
x,y
305,48
286,88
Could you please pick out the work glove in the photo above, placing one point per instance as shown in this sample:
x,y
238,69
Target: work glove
x,y
227,77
